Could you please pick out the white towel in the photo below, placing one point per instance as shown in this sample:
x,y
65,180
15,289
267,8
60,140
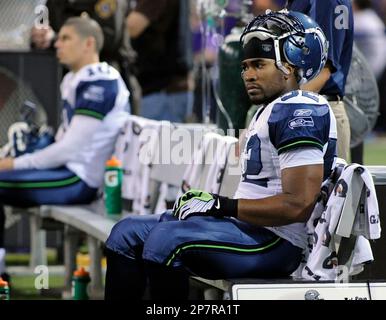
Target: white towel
x,y
371,226
321,260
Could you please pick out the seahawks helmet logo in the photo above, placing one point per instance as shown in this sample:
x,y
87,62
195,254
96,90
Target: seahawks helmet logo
x,y
312,295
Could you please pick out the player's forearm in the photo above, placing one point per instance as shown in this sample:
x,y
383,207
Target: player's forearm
x,y
6,163
55,155
61,152
136,24
277,210
316,84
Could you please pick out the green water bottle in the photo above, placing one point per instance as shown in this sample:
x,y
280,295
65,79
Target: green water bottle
x,y
4,290
113,187
80,281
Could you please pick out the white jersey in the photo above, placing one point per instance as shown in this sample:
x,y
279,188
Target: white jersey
x,y
95,106
277,138
96,91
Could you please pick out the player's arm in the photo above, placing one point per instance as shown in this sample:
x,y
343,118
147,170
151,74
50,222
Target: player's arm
x,y
145,13
136,23
6,164
59,153
42,37
300,150
317,83
77,136
301,187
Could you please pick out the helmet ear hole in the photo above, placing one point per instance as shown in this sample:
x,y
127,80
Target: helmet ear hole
x,y
306,50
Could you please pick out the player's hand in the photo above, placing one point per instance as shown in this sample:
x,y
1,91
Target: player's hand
x,y
6,164
198,202
42,37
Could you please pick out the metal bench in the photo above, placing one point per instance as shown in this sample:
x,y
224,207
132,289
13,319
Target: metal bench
x,y
76,220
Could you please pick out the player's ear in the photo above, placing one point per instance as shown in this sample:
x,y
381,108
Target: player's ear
x,y
290,69
91,43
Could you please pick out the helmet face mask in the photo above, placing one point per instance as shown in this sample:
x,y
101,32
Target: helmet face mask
x,y
297,40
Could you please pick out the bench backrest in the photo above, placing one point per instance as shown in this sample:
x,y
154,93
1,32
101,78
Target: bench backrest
x,y
204,169
135,148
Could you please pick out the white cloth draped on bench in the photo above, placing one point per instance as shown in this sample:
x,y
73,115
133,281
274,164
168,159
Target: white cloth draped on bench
x,y
209,162
321,258
207,168
135,148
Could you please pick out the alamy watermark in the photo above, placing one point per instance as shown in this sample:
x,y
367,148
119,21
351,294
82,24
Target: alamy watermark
x,y
41,17
43,277
343,17
342,274
180,146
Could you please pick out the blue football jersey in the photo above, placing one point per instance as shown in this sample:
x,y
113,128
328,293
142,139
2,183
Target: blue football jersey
x,y
292,122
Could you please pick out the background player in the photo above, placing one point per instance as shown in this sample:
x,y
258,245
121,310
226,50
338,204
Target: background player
x,y
95,106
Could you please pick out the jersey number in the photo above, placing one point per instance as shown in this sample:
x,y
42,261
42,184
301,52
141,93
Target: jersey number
x,y
252,163
306,94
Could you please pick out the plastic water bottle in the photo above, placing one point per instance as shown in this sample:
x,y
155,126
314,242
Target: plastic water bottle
x,y
80,281
4,290
113,187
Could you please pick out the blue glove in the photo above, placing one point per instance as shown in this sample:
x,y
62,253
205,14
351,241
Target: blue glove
x,y
197,202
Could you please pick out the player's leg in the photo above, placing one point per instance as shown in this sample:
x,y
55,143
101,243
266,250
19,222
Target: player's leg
x,y
30,187
221,248
27,188
125,274
125,279
167,283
